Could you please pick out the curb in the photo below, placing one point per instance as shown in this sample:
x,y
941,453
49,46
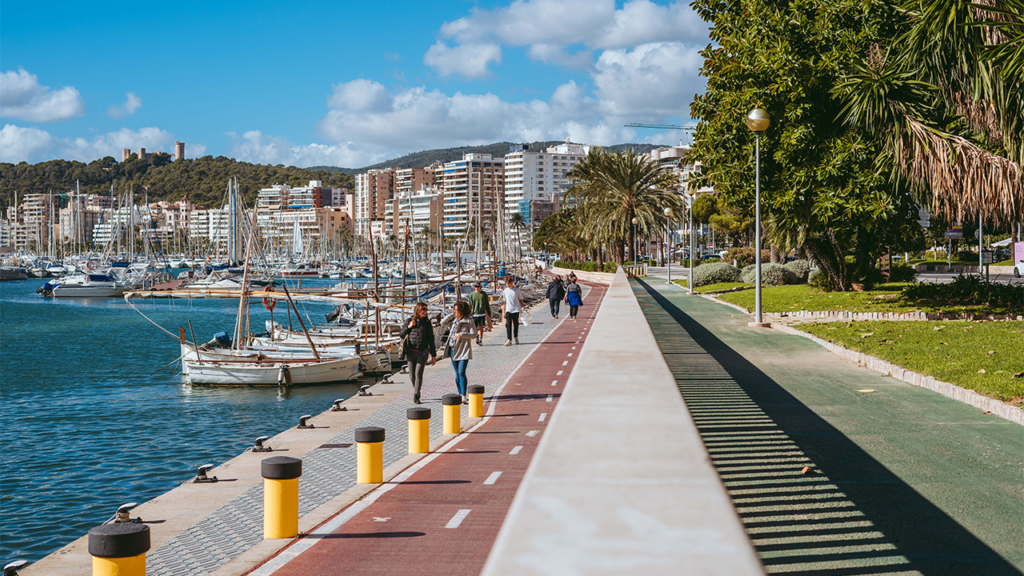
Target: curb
x,y
969,397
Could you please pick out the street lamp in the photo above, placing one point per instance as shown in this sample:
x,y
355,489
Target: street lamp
x,y
635,222
757,122
668,243
693,238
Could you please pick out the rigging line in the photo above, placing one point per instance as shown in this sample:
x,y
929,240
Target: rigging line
x,y
127,300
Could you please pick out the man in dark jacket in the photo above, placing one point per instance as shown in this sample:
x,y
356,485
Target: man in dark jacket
x,y
556,291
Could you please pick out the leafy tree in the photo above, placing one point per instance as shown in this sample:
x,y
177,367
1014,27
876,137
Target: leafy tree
x,y
821,190
704,207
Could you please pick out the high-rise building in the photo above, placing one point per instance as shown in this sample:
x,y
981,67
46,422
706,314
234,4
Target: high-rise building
x,y
373,189
535,180
414,211
472,188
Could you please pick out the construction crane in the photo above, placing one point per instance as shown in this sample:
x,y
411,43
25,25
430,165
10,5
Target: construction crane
x,y
661,126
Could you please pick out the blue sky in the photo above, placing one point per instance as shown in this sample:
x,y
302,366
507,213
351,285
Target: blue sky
x,y
338,83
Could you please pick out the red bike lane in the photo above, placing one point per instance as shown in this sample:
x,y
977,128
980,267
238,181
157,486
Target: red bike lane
x,y
444,518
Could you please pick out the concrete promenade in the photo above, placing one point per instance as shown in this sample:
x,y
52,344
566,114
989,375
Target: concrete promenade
x,y
901,480
442,515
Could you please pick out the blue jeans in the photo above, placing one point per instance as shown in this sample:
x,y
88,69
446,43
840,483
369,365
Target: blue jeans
x,y
460,375
555,304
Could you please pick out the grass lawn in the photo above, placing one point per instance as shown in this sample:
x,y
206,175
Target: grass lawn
x,y
884,298
683,283
1009,262
722,286
981,356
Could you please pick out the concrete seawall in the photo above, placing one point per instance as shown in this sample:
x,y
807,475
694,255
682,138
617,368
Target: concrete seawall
x,y
621,482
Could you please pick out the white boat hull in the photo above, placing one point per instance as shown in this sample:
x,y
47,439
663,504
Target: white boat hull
x,y
66,291
268,373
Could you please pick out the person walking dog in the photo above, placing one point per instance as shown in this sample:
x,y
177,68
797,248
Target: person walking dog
x,y
417,342
460,345
555,294
573,297
513,306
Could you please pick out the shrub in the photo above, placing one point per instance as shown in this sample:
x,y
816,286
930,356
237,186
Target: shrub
x,y
969,290
969,256
745,256
771,275
902,273
711,261
713,273
820,279
801,269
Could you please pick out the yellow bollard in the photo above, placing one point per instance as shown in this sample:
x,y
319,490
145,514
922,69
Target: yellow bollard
x,y
419,430
281,496
476,400
119,549
452,413
369,455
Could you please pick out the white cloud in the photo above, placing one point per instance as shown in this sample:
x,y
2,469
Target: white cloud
x,y
649,81
258,148
34,145
127,109
554,54
21,96
360,96
468,60
196,150
19,144
593,23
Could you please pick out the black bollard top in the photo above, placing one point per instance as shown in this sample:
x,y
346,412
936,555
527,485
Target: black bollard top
x,y
418,413
369,434
281,468
474,389
451,399
120,540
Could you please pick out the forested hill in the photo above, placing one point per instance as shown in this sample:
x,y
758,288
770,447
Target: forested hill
x,y
204,180
498,150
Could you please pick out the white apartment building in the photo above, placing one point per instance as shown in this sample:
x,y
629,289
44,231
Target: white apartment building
x,y
677,159
535,181
472,188
414,211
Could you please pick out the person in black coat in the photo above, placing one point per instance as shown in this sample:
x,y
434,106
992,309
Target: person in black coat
x,y
556,291
418,345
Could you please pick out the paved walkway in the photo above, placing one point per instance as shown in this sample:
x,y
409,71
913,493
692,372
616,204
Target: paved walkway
x,y
330,470
903,480
443,515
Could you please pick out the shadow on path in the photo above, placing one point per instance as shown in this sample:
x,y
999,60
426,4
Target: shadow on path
x,y
847,514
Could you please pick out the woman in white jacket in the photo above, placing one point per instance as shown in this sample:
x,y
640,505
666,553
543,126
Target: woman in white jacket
x,y
460,345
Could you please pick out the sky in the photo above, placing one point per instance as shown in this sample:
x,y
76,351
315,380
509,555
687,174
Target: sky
x,y
339,83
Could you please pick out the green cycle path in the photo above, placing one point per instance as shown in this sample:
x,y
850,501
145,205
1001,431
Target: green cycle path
x,y
901,480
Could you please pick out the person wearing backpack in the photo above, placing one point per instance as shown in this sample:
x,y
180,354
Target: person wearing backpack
x,y
417,343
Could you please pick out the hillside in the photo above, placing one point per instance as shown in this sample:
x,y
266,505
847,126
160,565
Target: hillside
x,y
428,157
204,180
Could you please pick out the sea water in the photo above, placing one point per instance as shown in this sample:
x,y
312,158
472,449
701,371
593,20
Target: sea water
x,y
91,419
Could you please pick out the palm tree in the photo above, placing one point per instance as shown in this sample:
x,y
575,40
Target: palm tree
x,y
614,188
518,221
948,106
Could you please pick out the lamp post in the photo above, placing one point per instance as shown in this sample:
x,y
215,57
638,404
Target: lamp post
x,y
693,237
634,247
757,121
668,242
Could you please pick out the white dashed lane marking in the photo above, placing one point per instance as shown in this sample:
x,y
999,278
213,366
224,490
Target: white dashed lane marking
x,y
515,450
457,519
492,478
543,415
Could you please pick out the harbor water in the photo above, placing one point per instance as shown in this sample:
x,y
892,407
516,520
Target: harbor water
x,y
91,420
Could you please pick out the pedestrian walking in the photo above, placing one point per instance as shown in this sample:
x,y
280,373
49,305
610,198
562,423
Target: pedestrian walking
x,y
573,297
417,344
513,306
555,294
460,346
481,310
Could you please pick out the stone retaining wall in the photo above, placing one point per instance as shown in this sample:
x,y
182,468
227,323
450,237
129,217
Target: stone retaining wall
x,y
597,277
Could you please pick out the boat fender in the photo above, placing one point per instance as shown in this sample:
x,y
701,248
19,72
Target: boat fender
x,y
284,376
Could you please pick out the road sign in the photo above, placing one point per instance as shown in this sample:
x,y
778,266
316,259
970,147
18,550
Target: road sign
x,y
977,235
955,233
923,218
987,257
711,244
